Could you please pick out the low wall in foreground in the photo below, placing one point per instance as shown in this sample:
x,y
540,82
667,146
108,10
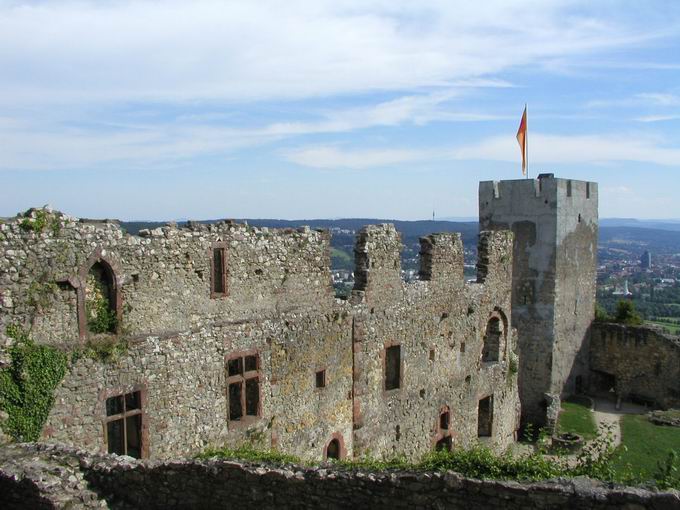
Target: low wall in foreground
x,y
53,476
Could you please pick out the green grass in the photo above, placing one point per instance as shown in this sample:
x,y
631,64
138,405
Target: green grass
x,y
249,453
646,445
342,255
673,328
578,419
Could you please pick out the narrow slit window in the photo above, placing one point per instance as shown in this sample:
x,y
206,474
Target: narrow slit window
x,y
393,367
219,272
321,379
123,424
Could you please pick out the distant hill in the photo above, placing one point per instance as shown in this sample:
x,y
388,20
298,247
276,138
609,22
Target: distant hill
x,y
633,235
410,230
632,222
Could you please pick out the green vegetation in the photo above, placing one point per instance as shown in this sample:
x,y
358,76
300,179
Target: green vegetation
x,y
627,314
27,385
577,419
100,316
248,453
340,259
481,462
106,350
671,327
601,314
598,460
647,448
41,293
39,220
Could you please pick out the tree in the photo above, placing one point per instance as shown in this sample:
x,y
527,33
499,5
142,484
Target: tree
x,y
626,313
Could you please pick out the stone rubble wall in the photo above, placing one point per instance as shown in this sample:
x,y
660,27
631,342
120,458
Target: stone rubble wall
x,y
644,361
279,305
40,476
163,274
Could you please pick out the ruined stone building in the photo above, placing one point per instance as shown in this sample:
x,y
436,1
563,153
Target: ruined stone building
x,y
229,334
233,334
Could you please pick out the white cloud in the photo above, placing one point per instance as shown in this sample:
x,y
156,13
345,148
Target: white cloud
x,y
658,118
544,148
334,157
660,99
80,51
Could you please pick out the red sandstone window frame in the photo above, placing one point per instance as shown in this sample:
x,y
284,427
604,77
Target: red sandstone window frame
x,y
342,450
218,275
243,378
144,426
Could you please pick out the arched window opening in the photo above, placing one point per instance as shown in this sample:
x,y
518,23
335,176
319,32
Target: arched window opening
x,y
333,450
100,299
444,441
492,340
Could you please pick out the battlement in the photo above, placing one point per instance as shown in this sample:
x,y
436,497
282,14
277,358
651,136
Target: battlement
x,y
546,188
174,278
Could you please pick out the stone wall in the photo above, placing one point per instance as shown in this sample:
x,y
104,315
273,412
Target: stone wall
x,y
636,362
38,476
277,305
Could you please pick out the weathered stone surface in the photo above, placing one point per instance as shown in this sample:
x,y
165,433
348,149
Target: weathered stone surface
x,y
277,303
637,362
554,222
53,476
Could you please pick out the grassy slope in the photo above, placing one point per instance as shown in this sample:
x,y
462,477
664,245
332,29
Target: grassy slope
x,y
646,444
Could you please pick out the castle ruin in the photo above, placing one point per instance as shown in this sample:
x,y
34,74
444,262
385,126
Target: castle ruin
x,y
233,335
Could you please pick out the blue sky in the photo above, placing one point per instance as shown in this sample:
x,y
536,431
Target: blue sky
x,y
213,109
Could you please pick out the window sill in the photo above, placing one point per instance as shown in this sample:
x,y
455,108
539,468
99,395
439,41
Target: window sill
x,y
244,422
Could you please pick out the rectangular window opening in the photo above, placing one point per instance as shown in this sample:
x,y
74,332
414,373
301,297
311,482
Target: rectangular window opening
x,y
392,367
444,421
235,407
243,379
568,188
219,276
485,417
235,366
321,379
124,424
587,190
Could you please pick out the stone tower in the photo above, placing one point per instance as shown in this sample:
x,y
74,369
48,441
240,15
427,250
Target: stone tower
x,y
555,222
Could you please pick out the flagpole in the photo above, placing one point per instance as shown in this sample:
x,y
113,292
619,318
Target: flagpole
x,y
527,138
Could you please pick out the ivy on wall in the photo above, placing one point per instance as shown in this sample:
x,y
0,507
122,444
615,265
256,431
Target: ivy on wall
x,y
27,385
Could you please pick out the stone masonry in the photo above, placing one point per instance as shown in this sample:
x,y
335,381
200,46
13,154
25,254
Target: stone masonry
x,y
636,363
233,335
51,476
555,223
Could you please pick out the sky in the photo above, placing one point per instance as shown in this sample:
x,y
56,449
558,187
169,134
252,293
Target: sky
x,y
163,110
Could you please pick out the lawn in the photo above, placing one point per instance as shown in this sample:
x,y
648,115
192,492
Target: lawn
x,y
646,444
673,328
578,419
